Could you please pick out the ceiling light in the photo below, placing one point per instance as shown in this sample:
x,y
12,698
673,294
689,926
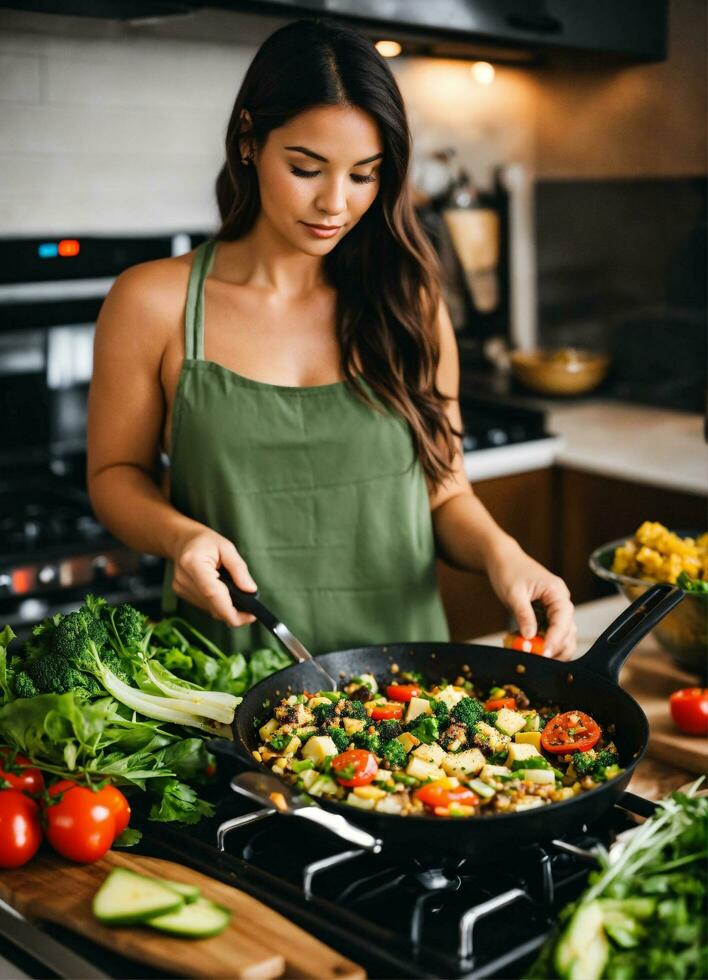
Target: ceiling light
x,y
483,73
389,49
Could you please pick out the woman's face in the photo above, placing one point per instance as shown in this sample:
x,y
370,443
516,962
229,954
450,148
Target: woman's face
x,y
318,174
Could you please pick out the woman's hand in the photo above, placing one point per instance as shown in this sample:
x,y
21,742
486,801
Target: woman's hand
x,y
197,561
518,580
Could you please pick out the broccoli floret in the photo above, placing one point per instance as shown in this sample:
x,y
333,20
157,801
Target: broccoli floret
x,y
389,728
426,729
441,712
593,764
365,740
115,664
128,624
490,717
605,759
54,674
468,711
24,685
322,712
498,758
352,709
394,754
584,763
72,633
339,737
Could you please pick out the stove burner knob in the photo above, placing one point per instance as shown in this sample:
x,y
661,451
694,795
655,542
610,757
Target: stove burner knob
x,y
47,574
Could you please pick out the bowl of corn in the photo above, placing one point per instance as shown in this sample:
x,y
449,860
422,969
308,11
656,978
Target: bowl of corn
x,y
657,554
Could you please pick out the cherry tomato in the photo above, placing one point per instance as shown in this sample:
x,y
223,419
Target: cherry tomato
x,y
437,795
20,773
402,692
515,641
363,766
571,731
689,709
20,830
118,805
495,704
382,711
81,825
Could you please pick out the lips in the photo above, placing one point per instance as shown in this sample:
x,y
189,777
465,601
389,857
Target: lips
x,y
321,231
322,227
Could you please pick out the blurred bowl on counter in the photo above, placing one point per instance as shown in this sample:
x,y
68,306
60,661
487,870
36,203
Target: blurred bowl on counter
x,y
566,371
683,633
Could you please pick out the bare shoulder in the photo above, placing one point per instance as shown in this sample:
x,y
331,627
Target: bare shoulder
x,y
145,304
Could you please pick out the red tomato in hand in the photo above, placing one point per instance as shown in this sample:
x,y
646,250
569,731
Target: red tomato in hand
x,y
689,709
20,773
382,711
434,795
571,731
118,805
359,765
402,692
81,825
532,644
495,704
20,830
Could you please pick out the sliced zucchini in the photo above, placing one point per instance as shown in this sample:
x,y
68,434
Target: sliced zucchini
x,y
189,893
583,949
126,897
540,776
198,920
482,789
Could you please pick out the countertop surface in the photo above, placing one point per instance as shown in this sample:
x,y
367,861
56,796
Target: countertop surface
x,y
658,447
652,778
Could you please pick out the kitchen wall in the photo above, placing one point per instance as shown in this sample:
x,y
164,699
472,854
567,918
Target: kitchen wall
x,y
107,125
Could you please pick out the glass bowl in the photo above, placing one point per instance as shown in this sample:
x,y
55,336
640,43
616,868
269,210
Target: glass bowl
x,y
684,632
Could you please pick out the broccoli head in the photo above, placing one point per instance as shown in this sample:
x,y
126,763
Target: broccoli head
x,y
322,712
366,740
441,712
53,673
490,717
606,758
351,709
24,685
468,711
388,728
394,754
594,764
128,624
339,737
584,763
425,729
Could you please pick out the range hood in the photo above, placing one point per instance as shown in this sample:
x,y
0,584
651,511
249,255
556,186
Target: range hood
x,y
511,30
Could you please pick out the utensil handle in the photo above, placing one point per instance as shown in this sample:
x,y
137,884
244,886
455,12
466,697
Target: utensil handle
x,y
609,652
249,602
338,825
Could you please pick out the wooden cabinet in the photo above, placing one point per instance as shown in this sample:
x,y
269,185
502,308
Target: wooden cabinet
x,y
559,516
523,505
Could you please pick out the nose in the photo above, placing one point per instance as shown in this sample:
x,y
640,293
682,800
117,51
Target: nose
x,y
332,199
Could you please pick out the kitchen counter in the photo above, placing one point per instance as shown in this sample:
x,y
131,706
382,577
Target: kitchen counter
x,y
652,778
658,447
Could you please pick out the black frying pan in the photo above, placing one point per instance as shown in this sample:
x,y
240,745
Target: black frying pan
x,y
589,684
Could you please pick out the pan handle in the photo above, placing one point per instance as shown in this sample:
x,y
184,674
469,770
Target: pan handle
x,y
609,652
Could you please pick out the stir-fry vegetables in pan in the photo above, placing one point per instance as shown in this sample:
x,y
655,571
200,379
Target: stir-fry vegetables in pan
x,y
446,750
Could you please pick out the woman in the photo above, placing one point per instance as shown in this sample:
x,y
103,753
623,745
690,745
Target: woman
x,y
300,371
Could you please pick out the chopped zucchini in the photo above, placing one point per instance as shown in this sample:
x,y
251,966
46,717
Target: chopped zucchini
x,y
540,776
309,777
126,897
322,786
533,722
509,722
491,772
482,789
531,804
358,801
189,893
198,920
582,950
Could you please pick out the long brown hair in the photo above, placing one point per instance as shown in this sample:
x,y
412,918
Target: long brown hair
x,y
384,271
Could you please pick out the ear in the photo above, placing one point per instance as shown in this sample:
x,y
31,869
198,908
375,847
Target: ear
x,y
247,146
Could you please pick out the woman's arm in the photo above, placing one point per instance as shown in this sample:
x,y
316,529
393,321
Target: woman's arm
x,y
469,538
126,412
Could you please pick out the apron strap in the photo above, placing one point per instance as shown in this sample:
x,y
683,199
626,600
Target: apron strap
x,y
194,311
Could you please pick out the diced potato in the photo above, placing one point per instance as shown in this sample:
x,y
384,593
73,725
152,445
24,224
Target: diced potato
x,y
389,804
540,776
520,751
450,696
358,802
309,777
318,748
408,741
430,753
490,772
467,763
528,738
313,702
418,707
352,725
497,741
509,722
265,731
369,792
423,770
528,804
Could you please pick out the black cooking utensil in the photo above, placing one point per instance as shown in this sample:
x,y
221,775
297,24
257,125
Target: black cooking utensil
x,y
249,602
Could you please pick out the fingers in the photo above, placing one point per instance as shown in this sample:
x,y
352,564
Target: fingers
x,y
196,578
561,633
522,609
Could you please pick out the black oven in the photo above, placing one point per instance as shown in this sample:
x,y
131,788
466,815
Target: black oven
x,y
52,549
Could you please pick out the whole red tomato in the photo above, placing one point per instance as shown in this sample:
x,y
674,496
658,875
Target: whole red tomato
x,y
80,825
20,830
689,709
118,805
19,772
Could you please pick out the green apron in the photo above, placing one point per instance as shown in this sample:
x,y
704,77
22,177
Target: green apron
x,y
320,493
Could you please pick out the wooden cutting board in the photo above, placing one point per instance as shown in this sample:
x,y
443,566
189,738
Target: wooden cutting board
x,y
650,676
258,943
